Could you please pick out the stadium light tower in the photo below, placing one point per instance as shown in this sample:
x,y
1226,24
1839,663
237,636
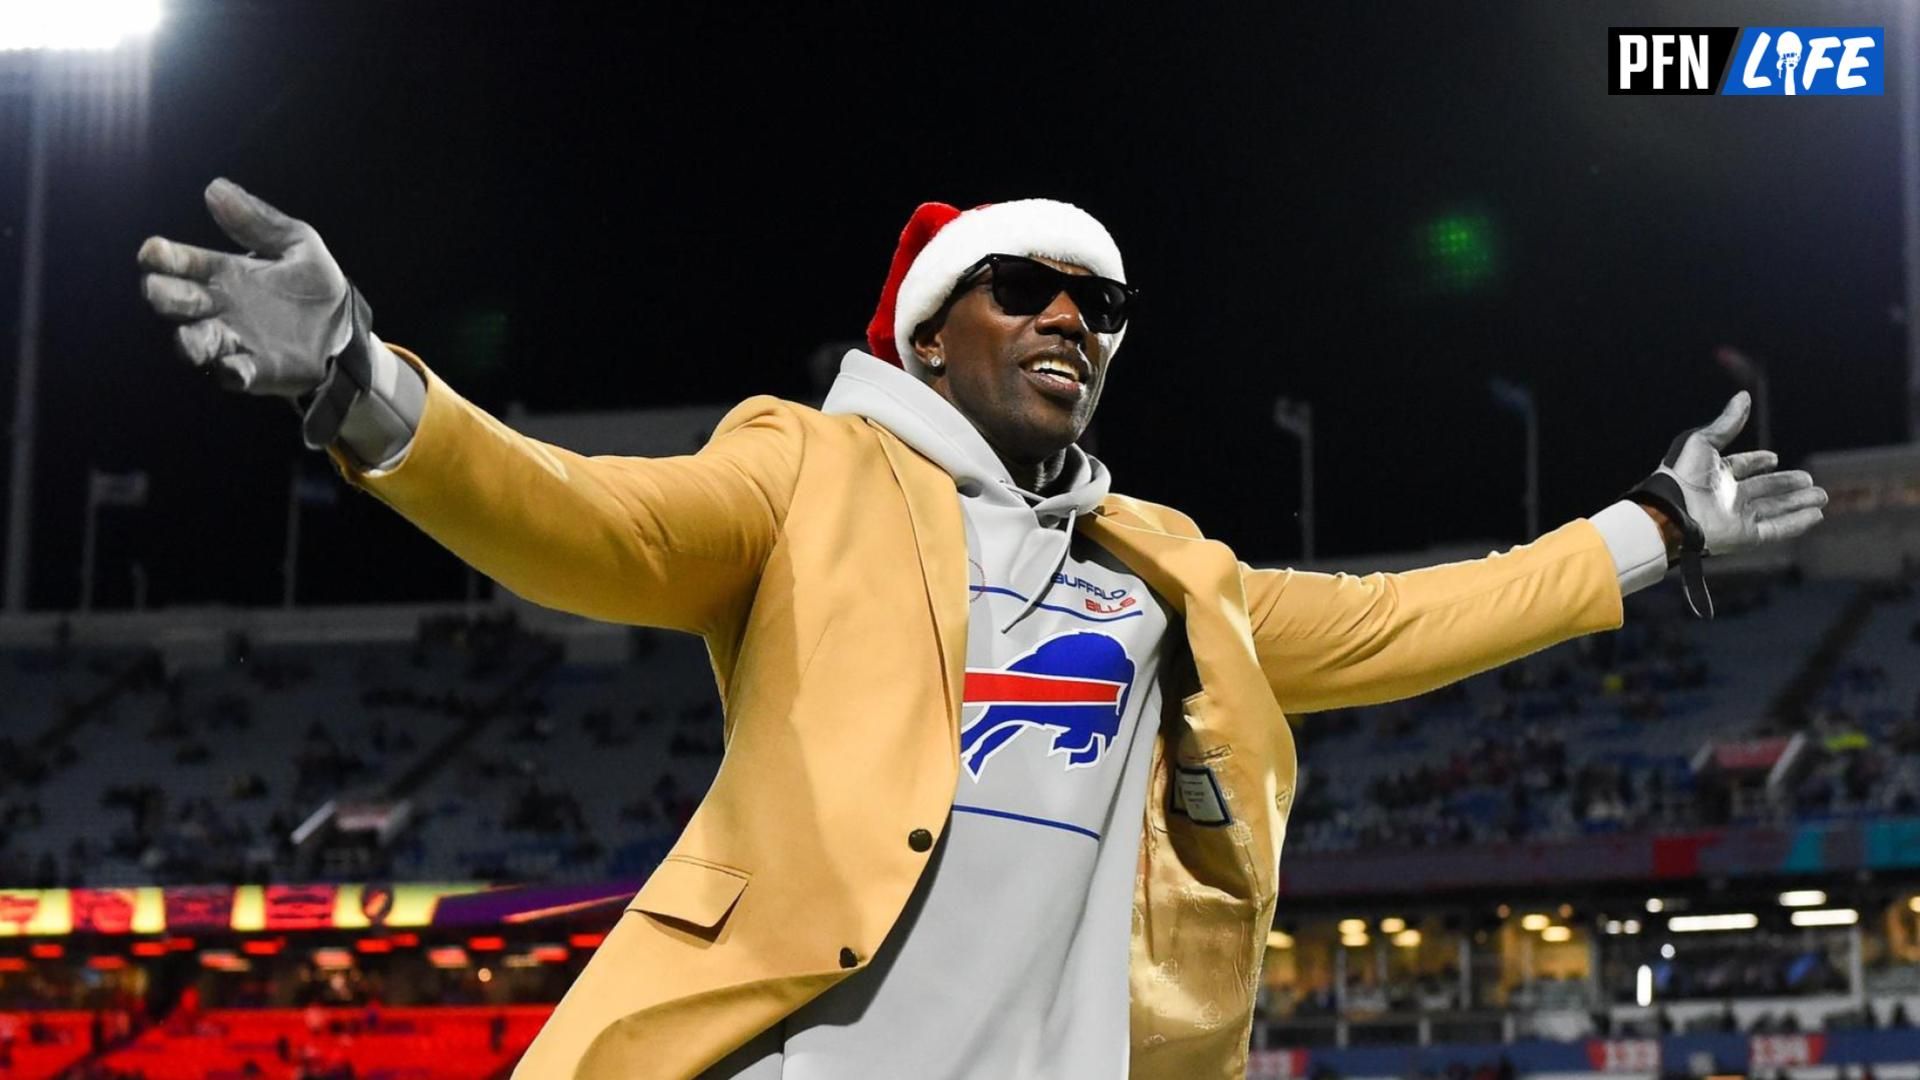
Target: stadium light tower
x,y
30,30
1751,377
1519,399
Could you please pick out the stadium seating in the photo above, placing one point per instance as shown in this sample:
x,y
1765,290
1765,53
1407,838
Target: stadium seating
x,y
589,770
593,781
65,1038
1585,736
249,749
443,1043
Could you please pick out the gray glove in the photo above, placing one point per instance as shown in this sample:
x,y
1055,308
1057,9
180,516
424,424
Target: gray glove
x,y
1727,504
263,323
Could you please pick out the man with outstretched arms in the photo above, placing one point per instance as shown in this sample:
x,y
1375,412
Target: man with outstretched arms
x,y
1007,764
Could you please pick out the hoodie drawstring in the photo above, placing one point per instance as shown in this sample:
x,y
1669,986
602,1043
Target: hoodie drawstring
x,y
1061,537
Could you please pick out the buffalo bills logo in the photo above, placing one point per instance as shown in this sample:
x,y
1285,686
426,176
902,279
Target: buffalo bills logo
x,y
1074,685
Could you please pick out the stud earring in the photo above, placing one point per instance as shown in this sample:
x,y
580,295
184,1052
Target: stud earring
x,y
935,362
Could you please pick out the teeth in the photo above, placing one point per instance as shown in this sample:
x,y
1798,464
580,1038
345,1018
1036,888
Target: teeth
x,y
1057,367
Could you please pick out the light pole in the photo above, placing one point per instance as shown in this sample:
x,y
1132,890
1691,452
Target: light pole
x,y
1520,399
1296,419
1751,376
34,29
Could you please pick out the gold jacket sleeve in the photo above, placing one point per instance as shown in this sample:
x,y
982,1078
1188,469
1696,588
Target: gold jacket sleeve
x,y
1328,641
676,542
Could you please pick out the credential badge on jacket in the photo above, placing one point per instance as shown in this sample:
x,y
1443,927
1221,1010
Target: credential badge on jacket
x,y
1195,795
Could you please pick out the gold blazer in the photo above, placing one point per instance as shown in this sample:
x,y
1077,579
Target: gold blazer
x,y
824,563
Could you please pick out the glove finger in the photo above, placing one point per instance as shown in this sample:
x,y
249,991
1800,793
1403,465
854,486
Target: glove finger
x,y
1786,528
1727,425
1781,505
1752,463
207,340
164,256
250,221
178,298
1774,484
235,371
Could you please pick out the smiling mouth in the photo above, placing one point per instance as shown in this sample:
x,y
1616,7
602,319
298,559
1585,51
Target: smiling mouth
x,y
1059,376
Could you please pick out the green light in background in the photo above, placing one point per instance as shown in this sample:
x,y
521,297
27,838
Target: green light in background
x,y
1456,253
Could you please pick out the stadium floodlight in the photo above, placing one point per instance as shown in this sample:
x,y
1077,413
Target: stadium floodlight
x,y
74,24
39,27
1643,986
1279,939
1535,922
1354,941
1631,926
1913,905
1353,926
1826,917
1655,906
1803,898
1392,925
1557,934
1689,924
1666,951
1407,939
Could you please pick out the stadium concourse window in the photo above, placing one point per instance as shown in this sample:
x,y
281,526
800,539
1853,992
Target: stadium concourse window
x,y
1890,958
1773,977
1546,962
74,985
293,970
1354,981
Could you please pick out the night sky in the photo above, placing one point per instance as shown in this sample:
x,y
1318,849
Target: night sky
x,y
663,204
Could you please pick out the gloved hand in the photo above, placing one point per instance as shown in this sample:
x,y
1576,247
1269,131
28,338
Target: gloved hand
x,y
262,323
1726,504
282,320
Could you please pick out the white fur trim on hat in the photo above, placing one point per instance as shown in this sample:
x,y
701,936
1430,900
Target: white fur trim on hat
x,y
1031,227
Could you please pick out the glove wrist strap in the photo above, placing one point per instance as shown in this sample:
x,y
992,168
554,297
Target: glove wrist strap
x,y
349,375
1662,492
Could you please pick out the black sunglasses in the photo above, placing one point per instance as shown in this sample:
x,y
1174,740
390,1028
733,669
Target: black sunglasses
x,y
1023,286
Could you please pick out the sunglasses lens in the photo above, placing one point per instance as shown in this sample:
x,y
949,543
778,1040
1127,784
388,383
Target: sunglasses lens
x,y
1024,288
1103,304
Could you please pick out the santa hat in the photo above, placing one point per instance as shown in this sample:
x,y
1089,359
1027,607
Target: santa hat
x,y
940,242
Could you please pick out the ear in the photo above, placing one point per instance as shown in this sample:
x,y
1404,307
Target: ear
x,y
928,340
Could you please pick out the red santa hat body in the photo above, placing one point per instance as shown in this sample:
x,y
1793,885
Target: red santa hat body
x,y
940,242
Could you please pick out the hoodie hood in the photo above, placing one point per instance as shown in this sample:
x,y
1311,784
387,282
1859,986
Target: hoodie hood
x,y
869,386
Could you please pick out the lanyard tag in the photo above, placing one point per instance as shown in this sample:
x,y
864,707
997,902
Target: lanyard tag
x,y
1196,796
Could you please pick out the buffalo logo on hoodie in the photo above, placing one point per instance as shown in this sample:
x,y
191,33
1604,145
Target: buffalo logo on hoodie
x,y
1074,685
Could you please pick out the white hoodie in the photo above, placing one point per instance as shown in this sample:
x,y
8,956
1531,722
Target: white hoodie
x,y
1010,959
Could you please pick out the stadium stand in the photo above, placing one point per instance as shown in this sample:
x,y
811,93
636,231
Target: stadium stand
x,y
1594,735
43,1044
488,744
324,1044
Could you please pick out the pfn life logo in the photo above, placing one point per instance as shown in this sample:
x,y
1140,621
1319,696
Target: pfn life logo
x,y
1782,61
1808,60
